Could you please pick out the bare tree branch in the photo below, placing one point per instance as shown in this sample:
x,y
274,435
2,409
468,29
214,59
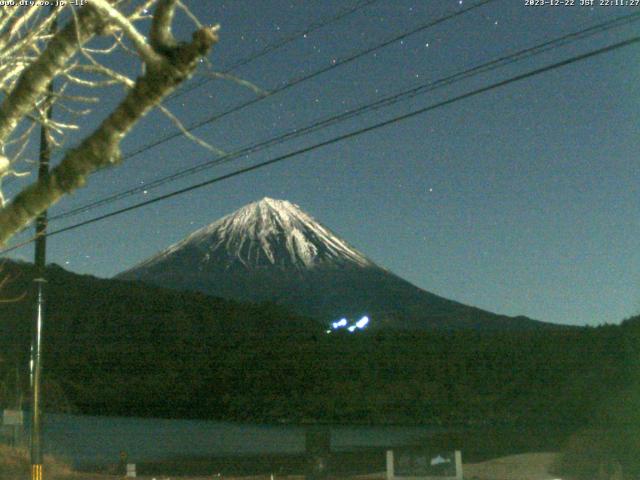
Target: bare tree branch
x,y
102,147
4,281
146,52
34,80
194,138
161,35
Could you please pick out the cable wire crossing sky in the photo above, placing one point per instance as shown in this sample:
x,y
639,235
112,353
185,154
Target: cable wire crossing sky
x,y
485,151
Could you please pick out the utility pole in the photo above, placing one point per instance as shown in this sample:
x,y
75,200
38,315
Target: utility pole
x,y
36,341
40,281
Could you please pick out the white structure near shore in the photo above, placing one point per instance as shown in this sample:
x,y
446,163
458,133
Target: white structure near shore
x,y
420,465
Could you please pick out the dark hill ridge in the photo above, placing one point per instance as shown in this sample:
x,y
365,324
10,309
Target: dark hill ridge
x,y
126,348
81,308
271,250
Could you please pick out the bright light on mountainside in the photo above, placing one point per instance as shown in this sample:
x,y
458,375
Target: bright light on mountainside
x,y
343,323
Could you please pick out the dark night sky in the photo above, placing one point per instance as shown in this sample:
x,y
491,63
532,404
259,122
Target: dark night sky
x,y
523,200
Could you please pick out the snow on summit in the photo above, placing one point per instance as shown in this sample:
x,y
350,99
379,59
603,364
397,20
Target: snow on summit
x,y
265,233
273,251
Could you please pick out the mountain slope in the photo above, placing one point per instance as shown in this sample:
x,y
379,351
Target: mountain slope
x,y
265,235
271,250
122,348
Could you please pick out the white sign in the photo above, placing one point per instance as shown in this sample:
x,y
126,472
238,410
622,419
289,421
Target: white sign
x,y
131,470
13,417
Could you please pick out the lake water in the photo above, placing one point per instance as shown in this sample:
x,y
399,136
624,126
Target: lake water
x,y
87,440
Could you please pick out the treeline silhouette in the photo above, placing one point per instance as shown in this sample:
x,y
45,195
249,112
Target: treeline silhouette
x,y
121,348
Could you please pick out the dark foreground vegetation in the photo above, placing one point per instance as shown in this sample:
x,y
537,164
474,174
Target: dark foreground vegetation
x,y
116,348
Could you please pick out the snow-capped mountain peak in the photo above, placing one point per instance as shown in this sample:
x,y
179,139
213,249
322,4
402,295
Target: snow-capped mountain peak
x,y
272,251
266,233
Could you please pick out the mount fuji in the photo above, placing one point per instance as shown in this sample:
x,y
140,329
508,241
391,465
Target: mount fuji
x,y
272,251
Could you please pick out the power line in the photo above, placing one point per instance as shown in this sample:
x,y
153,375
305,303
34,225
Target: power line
x,y
304,78
279,44
294,82
334,119
268,49
346,136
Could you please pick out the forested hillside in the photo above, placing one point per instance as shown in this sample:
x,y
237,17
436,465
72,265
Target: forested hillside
x,y
120,348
